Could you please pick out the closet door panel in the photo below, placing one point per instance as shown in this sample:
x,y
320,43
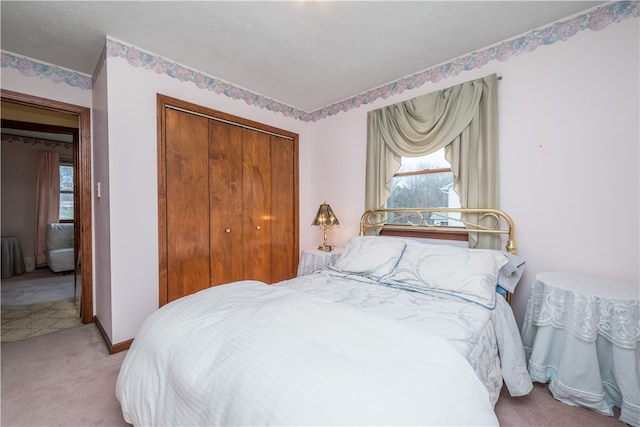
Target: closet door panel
x,y
225,199
257,205
283,208
187,204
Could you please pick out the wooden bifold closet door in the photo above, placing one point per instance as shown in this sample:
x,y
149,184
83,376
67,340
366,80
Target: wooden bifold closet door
x,y
228,200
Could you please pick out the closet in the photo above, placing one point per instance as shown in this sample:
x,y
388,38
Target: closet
x,y
227,199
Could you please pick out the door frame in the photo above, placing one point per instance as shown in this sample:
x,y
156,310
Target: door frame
x,y
84,186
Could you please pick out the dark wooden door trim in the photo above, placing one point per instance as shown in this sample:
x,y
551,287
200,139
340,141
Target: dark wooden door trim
x,y
84,184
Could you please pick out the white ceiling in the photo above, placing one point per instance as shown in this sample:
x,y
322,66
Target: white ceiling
x,y
306,54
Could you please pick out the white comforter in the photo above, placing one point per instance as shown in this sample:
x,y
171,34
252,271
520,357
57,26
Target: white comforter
x,y
488,339
247,353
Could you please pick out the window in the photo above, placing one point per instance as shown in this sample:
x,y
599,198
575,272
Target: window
x,y
66,190
425,181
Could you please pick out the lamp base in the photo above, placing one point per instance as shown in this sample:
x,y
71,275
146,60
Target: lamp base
x,y
325,248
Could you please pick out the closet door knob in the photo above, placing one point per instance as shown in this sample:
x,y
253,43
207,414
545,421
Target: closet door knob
x,y
227,230
258,227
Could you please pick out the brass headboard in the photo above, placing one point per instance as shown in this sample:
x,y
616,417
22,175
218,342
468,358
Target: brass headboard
x,y
494,221
437,219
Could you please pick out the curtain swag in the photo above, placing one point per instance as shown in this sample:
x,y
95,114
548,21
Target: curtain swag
x,y
464,120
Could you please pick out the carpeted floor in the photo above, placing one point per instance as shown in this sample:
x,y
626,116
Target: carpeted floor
x,y
68,378
540,409
38,303
41,285
65,378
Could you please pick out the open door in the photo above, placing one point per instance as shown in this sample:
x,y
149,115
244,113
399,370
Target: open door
x,y
83,246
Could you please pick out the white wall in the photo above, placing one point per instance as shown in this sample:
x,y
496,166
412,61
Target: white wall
x,y
338,173
133,181
101,205
569,155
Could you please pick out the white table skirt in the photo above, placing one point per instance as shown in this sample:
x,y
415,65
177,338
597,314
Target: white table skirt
x,y
314,259
585,345
12,258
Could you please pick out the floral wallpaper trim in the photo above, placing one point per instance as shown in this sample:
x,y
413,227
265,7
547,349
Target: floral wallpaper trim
x,y
560,31
160,65
594,20
33,68
35,141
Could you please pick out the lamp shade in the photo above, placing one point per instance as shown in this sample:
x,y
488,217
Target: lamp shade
x,y
325,216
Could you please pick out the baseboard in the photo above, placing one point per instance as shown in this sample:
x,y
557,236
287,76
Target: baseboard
x,y
113,348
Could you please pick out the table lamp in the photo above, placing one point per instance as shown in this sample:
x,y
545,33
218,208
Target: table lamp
x,y
324,218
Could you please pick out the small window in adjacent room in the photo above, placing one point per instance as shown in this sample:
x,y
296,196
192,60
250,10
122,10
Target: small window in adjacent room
x,y
425,181
66,190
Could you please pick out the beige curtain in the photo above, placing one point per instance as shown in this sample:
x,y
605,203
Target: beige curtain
x,y
464,120
47,199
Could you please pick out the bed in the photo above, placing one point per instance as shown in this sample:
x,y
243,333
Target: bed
x,y
397,332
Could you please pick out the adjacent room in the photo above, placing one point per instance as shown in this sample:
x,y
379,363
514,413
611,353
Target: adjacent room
x,y
321,212
40,288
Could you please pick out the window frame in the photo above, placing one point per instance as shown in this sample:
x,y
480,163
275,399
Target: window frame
x,y
463,235
66,162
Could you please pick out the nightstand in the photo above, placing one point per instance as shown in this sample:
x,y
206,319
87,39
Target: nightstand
x,y
314,259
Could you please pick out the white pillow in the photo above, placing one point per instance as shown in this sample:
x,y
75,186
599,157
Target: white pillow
x,y
464,273
510,273
371,256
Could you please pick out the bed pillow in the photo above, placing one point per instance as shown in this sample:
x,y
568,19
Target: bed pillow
x,y
463,273
510,274
371,256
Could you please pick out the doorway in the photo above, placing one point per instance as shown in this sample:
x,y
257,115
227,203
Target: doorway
x,y
83,217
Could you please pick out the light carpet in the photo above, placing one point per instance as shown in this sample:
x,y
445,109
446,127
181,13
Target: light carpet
x,y
24,321
38,303
65,378
68,378
41,285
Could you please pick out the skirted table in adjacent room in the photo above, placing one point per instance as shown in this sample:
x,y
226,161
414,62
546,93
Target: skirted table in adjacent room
x,y
581,335
12,258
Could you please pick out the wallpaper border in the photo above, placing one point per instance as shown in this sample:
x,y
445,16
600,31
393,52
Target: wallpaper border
x,y
30,67
595,20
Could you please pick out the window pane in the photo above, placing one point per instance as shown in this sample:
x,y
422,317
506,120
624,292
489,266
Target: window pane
x,y
66,206
431,161
419,191
66,178
430,190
